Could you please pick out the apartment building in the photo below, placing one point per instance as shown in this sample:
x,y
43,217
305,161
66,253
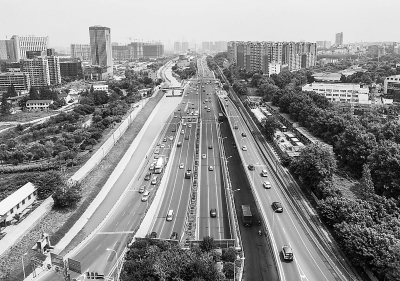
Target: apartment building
x,y
255,56
21,81
341,92
38,70
391,87
54,70
80,51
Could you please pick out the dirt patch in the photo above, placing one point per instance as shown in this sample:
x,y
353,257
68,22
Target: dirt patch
x,y
347,185
10,263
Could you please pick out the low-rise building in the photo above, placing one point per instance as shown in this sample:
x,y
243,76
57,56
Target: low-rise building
x,y
38,104
391,87
274,68
17,202
152,75
21,81
100,87
340,92
327,77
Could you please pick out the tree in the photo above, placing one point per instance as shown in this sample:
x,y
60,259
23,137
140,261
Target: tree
x,y
11,92
366,183
207,244
315,164
33,94
5,105
270,126
229,255
229,268
64,196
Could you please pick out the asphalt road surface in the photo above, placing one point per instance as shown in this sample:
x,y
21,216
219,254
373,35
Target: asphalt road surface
x,y
286,230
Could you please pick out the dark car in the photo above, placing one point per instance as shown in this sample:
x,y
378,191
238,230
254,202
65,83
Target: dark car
x,y
153,234
244,135
251,167
147,177
210,147
213,213
174,236
277,207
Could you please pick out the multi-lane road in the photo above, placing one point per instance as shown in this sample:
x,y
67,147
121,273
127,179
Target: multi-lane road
x,y
284,227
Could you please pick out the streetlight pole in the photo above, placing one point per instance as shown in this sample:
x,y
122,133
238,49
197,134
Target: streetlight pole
x,y
108,249
23,266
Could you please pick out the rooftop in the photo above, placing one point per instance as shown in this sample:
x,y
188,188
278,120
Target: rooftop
x,y
16,197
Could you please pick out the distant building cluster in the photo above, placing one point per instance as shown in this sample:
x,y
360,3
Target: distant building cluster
x,y
218,46
137,50
258,56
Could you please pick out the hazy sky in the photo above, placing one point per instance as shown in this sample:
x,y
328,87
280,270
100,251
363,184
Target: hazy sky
x,y
68,21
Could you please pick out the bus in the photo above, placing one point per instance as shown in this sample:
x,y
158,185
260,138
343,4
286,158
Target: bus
x,y
221,117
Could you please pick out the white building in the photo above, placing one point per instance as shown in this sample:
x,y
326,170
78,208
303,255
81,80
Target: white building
x,y
340,92
21,44
274,68
100,87
152,75
17,202
391,82
38,104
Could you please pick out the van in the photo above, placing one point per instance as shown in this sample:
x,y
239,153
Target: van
x,y
154,180
170,214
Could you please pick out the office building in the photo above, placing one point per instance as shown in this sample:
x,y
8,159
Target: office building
x,y
50,52
256,56
80,51
177,47
100,47
339,39
38,70
3,50
22,44
341,92
129,52
185,46
21,81
71,69
33,54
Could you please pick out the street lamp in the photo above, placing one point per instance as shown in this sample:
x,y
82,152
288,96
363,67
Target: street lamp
x,y
23,266
108,249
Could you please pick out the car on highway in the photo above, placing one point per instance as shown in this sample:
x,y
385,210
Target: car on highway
x,y
179,109
205,107
156,156
190,125
266,184
235,127
142,189
203,156
211,168
181,166
244,135
208,109
151,168
147,177
213,213
251,167
244,148
153,234
154,180
264,173
173,130
186,137
157,151
171,138
170,215
277,207
162,145
210,146
164,140
287,253
182,132
179,144
174,236
183,102
145,196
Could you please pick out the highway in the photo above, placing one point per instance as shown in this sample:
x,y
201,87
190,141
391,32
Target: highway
x,y
116,230
177,192
285,227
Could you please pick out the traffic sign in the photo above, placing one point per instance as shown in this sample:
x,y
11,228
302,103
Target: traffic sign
x,y
57,260
74,266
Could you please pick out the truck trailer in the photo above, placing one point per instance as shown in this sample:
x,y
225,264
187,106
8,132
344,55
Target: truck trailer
x,y
246,215
159,165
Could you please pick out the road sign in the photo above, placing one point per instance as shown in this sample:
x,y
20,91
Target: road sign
x,y
57,260
74,266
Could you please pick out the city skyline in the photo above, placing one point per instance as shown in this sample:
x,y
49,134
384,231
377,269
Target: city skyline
x,y
174,21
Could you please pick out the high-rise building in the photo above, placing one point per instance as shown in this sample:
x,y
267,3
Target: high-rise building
x,y
339,39
51,52
80,51
71,69
185,46
3,50
177,47
22,44
153,50
38,70
54,70
100,47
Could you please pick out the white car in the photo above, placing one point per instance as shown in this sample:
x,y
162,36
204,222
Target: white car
x,y
190,125
182,132
181,166
162,145
204,156
146,196
211,168
171,138
244,148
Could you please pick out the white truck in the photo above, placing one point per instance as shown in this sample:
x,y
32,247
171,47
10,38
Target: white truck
x,y
159,165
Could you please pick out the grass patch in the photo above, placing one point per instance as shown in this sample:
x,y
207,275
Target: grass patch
x,y
26,116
